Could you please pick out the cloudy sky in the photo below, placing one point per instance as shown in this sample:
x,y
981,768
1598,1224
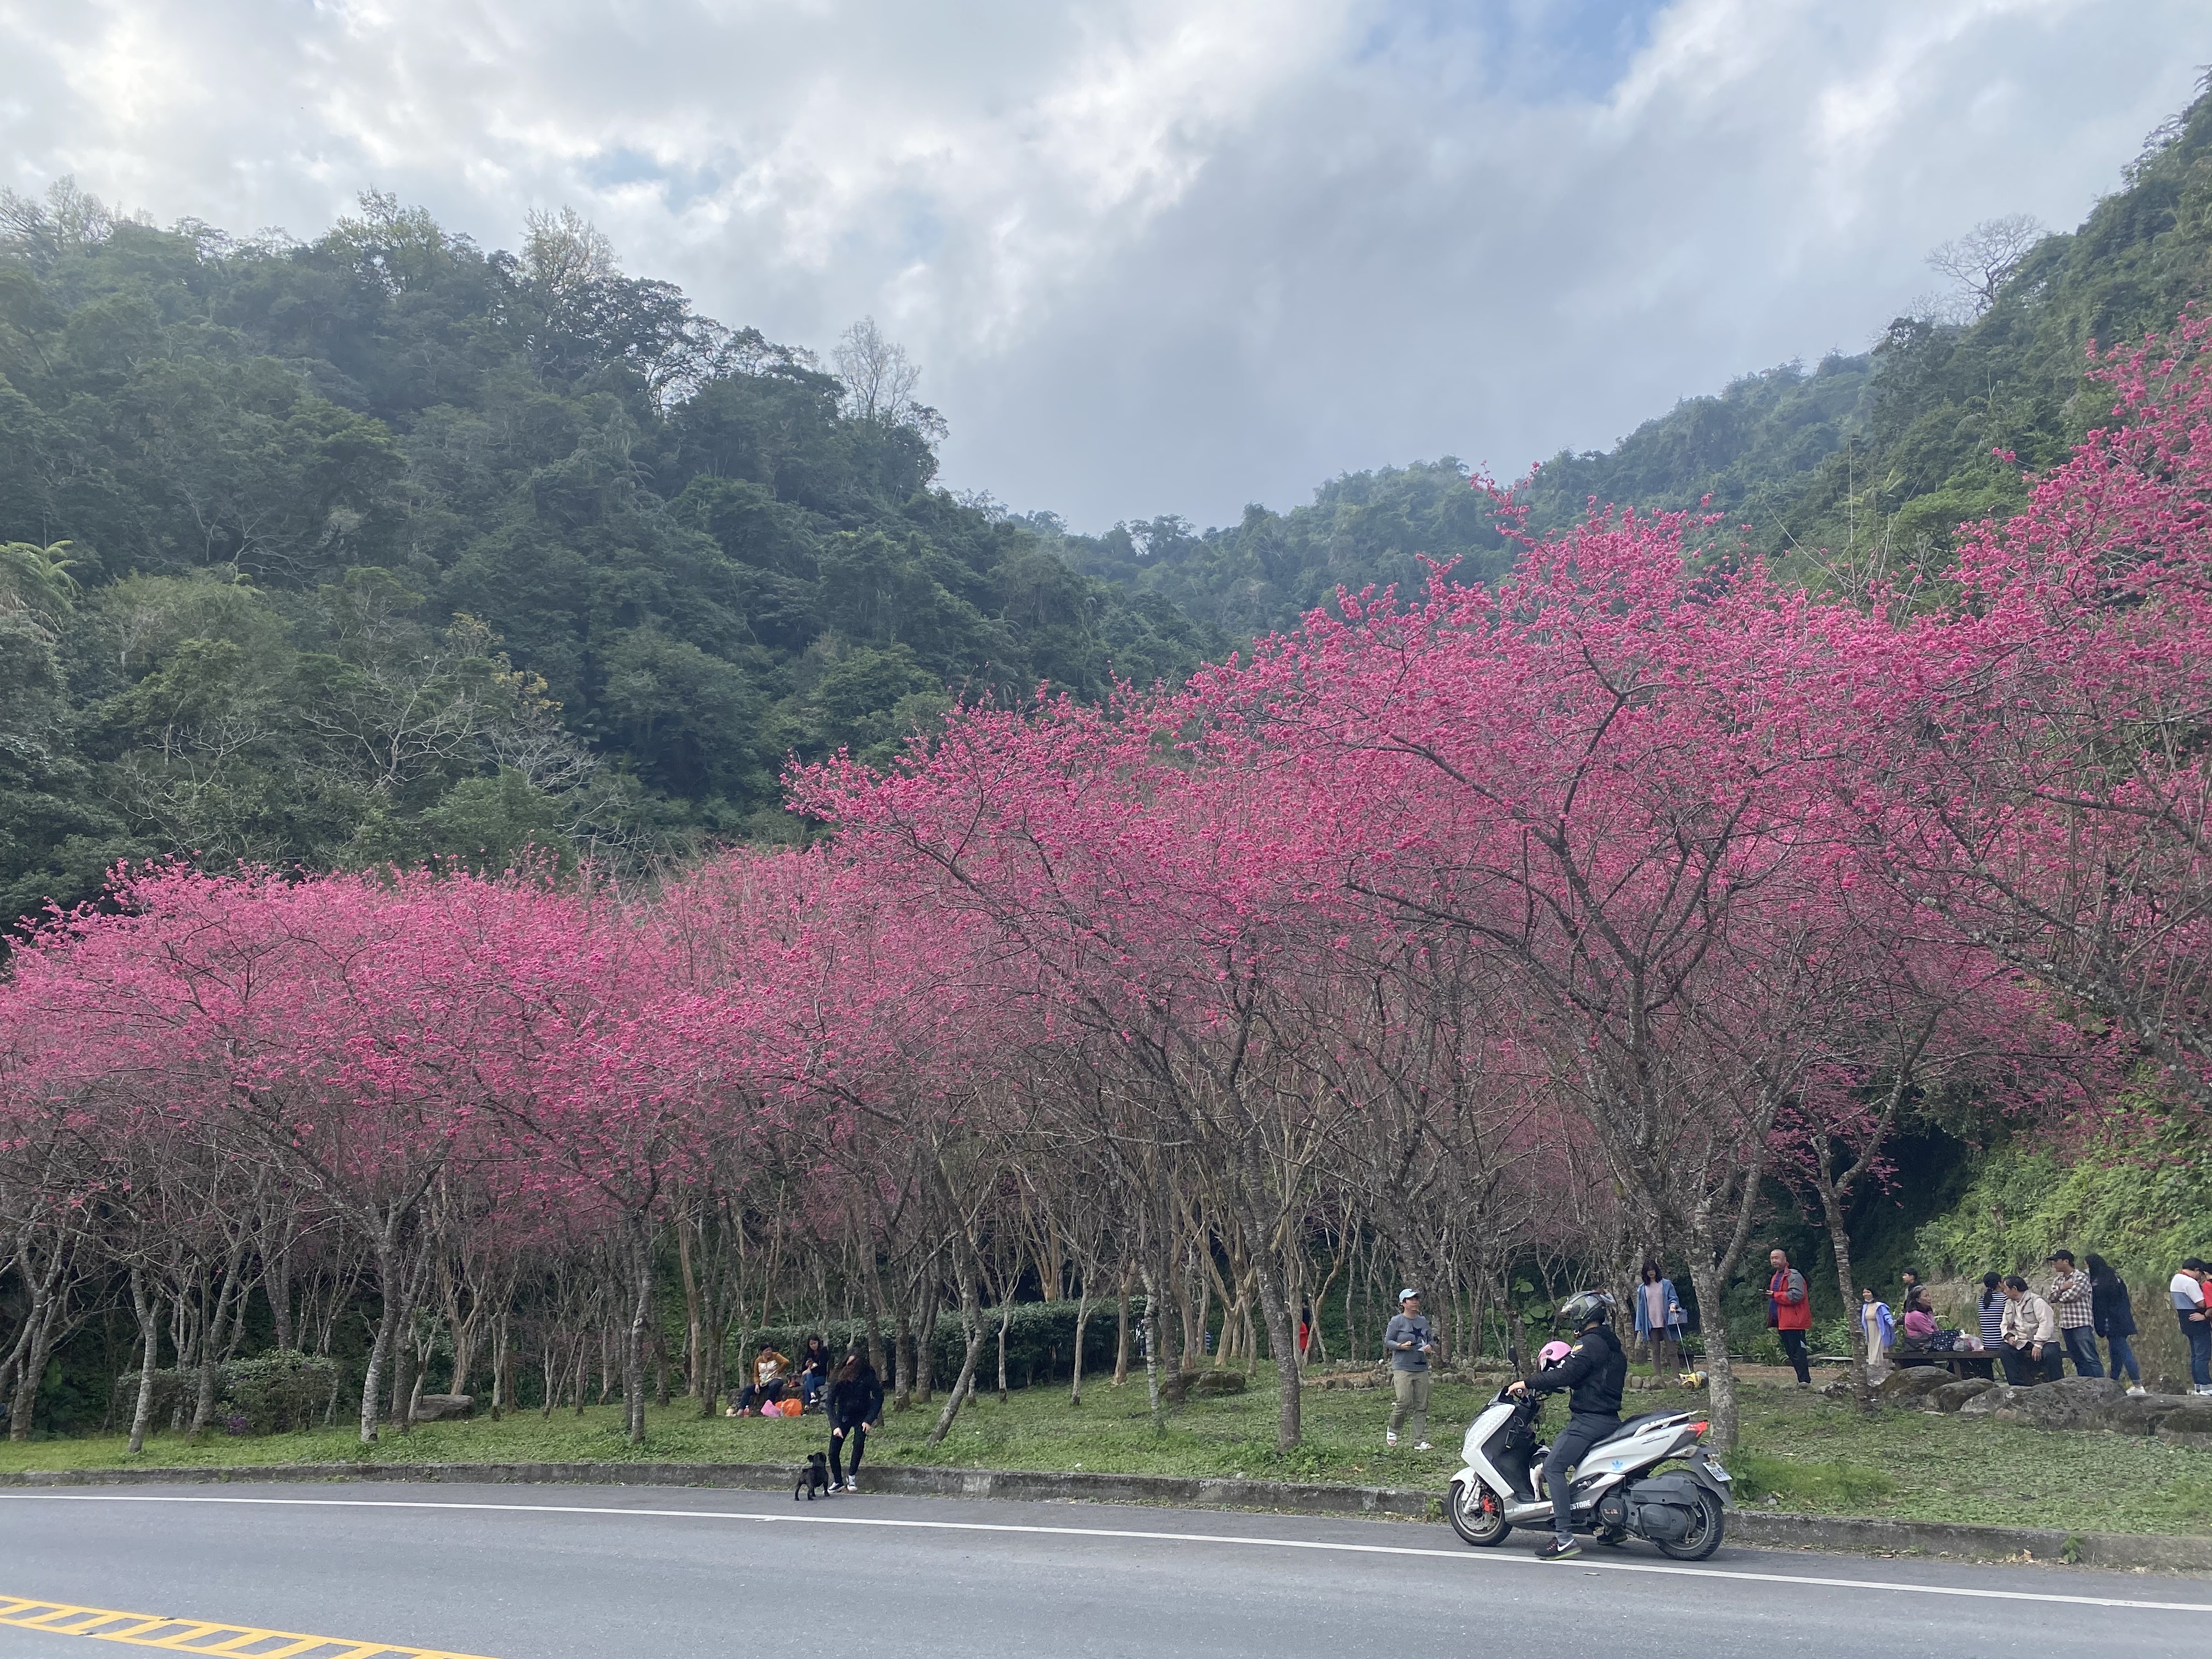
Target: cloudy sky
x,y
1163,255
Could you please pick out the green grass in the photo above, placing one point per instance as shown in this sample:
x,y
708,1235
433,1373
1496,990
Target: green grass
x,y
1813,1455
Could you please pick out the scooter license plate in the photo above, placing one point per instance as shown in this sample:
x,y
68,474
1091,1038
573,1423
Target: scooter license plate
x,y
1718,1472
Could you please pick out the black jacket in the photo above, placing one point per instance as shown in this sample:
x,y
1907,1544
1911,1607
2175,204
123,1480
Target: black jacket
x,y
1594,1372
2111,1312
858,1401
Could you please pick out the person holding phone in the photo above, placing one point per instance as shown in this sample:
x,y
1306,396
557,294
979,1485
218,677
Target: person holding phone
x,y
1409,1341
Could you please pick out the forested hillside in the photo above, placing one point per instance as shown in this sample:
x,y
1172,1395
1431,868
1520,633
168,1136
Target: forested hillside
x,y
1861,463
385,547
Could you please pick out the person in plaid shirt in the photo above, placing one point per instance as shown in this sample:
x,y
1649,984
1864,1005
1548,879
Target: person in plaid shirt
x,y
2070,1297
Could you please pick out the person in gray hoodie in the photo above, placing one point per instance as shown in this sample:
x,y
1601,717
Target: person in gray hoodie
x,y
1409,1341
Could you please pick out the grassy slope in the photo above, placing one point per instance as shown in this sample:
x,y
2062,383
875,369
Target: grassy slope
x,y
1815,1456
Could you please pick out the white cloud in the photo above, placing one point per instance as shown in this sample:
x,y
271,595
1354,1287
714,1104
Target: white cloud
x,y
1163,256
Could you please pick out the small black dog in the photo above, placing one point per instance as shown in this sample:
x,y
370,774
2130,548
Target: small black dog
x,y
814,1478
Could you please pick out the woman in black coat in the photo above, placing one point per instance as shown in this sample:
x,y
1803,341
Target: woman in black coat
x,y
2112,1316
856,1404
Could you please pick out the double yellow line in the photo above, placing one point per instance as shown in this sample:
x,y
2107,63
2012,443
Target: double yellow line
x,y
146,1630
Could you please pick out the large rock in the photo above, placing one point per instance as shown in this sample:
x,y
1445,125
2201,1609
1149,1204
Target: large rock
x,y
2191,1426
2143,1414
1218,1382
433,1406
1911,1381
1993,1401
1952,1396
2071,1402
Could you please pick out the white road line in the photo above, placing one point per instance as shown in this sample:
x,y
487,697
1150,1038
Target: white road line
x,y
802,1517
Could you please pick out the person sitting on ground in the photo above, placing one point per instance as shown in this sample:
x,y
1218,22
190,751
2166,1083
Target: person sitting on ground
x,y
2029,1343
767,1384
813,1371
2073,1298
2112,1316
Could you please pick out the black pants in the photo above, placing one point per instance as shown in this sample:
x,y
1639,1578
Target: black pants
x,y
1793,1344
857,1438
2023,1371
1582,1431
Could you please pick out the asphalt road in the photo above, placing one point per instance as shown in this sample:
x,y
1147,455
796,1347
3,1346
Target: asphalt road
x,y
548,1572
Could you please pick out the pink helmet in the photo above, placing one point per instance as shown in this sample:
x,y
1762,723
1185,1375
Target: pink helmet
x,y
1551,1354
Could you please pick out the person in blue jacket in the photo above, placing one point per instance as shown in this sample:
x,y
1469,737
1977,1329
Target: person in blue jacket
x,y
1659,1317
1875,1320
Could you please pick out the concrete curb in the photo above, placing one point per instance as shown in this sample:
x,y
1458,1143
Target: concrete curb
x,y
1760,1528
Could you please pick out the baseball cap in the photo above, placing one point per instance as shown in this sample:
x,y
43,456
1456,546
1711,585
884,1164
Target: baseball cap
x,y
1407,1294
2066,1257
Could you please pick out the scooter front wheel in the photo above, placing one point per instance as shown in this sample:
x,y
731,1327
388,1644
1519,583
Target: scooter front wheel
x,y
1477,1514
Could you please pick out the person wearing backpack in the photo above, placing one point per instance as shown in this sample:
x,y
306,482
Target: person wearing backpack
x,y
855,1402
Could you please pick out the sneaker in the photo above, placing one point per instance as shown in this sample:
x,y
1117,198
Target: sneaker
x,y
1390,1436
852,1483
2202,1387
1559,1549
2137,1389
1424,1446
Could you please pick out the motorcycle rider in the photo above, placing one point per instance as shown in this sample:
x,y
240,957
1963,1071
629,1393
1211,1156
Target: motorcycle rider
x,y
1592,1374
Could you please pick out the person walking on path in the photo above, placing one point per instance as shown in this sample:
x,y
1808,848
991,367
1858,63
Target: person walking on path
x,y
1992,1311
2072,1296
2112,1316
1659,1317
1790,1312
2193,1309
855,1402
1593,1372
2029,1344
1409,1342
1881,1329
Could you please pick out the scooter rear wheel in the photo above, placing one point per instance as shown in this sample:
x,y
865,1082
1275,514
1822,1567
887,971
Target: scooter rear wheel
x,y
1705,1535
1477,1515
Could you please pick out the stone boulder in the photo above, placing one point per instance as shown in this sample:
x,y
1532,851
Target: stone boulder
x,y
1992,1401
1911,1381
1218,1382
1954,1396
2072,1402
2143,1414
2191,1426
433,1407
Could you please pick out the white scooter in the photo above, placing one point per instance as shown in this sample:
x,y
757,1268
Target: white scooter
x,y
1618,1491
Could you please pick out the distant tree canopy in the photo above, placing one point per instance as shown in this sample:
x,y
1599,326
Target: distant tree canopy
x,y
385,547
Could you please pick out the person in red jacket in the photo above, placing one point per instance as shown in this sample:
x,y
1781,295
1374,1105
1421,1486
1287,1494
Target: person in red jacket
x,y
1789,1311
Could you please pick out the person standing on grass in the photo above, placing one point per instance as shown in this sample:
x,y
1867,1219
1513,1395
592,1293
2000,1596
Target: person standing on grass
x,y
1874,1320
2193,1309
1789,1311
1992,1311
2029,1344
855,1402
1659,1317
1409,1341
2112,1316
2072,1298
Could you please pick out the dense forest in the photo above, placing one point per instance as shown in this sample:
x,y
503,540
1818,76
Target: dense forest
x,y
386,547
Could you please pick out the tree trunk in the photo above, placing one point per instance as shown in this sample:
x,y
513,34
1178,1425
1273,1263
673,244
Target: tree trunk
x,y
925,1342
640,1315
380,1351
1006,1319
694,1378
971,1327
1082,1318
1713,1324
1121,1328
148,1307
1282,1337
1839,1240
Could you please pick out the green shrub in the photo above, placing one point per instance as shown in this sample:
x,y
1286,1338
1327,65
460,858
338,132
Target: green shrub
x,y
272,1393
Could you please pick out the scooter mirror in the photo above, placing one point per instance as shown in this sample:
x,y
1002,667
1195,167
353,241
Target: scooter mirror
x,y
1513,1356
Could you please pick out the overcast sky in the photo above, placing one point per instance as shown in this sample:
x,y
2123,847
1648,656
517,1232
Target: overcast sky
x,y
1166,257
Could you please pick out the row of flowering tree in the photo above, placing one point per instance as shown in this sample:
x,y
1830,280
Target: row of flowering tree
x,y
1511,931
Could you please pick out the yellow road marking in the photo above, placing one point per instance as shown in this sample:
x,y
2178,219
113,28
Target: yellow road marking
x,y
148,1630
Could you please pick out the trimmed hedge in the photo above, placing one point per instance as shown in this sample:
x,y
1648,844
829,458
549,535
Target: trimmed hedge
x,y
272,1393
1040,1342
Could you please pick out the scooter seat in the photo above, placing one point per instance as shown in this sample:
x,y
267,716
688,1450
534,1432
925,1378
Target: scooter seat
x,y
1634,1424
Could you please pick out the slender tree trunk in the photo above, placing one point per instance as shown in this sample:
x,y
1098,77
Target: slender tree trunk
x,y
1122,1327
1006,1319
641,1316
387,1332
925,1342
1839,1240
1719,1371
1082,1319
971,1327
148,1307
694,1378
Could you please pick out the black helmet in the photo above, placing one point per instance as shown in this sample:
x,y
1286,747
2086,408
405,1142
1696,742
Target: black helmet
x,y
1583,1310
